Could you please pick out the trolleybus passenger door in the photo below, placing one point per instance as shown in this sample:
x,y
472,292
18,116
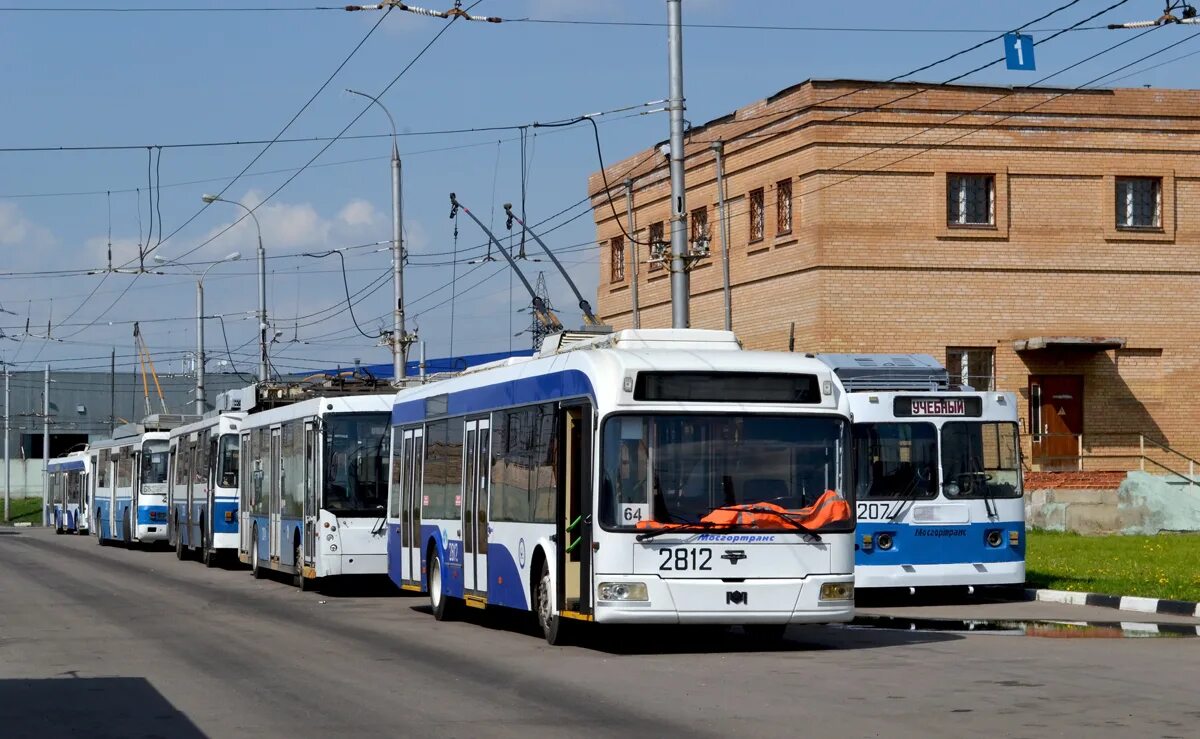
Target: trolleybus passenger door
x,y
275,496
574,520
410,507
246,477
310,493
474,507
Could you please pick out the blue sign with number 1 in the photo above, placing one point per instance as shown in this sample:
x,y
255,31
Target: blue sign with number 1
x,y
1018,52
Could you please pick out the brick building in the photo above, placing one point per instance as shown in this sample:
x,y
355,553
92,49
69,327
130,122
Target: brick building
x,y
1038,240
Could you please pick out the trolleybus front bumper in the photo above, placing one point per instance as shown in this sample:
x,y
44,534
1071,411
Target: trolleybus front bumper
x,y
940,575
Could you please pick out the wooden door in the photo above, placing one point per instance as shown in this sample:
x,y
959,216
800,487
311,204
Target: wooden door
x,y
1056,420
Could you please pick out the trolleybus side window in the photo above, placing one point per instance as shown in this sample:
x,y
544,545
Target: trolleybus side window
x,y
229,461
545,465
511,462
102,469
895,460
259,484
396,477
125,467
981,460
442,490
292,472
678,468
200,463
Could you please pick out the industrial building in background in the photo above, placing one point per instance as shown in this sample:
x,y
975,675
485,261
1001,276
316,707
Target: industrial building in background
x,y
1038,240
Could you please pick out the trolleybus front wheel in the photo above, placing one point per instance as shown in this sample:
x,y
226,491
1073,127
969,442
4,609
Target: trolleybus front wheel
x,y
207,555
305,584
554,628
128,536
180,552
443,605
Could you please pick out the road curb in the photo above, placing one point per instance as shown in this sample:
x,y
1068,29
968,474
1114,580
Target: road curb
x,y
1120,602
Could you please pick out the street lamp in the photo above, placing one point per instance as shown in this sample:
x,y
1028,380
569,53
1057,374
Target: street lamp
x,y
233,257
399,339
262,286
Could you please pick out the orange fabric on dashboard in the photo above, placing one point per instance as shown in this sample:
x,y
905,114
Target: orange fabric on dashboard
x,y
828,509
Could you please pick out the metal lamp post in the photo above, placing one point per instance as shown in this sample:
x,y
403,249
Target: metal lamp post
x,y
400,340
233,257
262,286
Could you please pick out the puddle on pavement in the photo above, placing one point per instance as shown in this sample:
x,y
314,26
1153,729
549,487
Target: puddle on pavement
x,y
1045,629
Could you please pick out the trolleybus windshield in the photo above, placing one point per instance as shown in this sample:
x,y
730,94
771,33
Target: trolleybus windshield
x,y
678,468
154,461
356,457
981,460
895,460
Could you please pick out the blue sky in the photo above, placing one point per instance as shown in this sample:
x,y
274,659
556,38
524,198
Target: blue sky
x,y
141,79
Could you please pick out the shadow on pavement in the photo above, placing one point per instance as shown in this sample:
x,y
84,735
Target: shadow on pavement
x,y
89,706
656,639
944,596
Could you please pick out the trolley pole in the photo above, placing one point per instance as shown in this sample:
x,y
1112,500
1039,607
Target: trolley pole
x,y
718,149
45,444
633,253
7,460
680,288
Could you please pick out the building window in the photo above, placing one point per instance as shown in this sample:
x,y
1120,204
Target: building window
x,y
698,224
973,367
783,207
1139,202
971,200
658,247
757,215
616,252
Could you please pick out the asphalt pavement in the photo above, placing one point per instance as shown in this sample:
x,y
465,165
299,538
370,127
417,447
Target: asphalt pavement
x,y
107,642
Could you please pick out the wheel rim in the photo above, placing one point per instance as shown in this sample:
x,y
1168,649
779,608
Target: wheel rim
x,y
544,601
435,582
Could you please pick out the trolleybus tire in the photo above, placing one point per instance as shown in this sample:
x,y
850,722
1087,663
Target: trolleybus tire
x,y
127,537
256,569
298,578
207,555
765,634
442,605
554,627
180,552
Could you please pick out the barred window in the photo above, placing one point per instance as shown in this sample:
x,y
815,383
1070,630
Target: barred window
x,y
658,247
975,367
1139,202
698,224
783,207
616,253
971,200
757,215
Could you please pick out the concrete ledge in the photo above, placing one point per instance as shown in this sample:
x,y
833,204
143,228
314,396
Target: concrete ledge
x,y
1121,602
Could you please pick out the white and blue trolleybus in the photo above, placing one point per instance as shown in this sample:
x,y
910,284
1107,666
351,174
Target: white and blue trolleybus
x,y
130,481
204,487
648,476
937,474
313,485
68,479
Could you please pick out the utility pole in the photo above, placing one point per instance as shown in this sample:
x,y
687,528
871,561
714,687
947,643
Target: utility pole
x,y
633,252
112,392
45,444
200,347
718,149
7,460
680,287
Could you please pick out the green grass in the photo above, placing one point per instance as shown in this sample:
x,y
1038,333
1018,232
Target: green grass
x,y
1163,566
24,509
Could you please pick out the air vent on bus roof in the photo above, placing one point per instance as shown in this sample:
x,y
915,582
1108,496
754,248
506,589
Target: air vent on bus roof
x,y
862,372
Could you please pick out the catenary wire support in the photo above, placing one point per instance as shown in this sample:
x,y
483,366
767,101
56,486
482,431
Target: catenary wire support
x,y
1187,15
455,12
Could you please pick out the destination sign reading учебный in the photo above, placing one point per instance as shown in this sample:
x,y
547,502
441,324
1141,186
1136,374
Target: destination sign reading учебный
x,y
917,406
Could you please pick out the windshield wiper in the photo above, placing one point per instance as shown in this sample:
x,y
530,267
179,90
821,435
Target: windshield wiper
x,y
682,527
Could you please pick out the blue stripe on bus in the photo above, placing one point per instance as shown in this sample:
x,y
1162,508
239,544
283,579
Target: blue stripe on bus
x,y
941,544
74,464
541,388
152,515
219,524
506,584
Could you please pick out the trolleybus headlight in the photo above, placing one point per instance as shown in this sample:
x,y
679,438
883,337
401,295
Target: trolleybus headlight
x,y
837,591
329,537
884,541
622,591
994,539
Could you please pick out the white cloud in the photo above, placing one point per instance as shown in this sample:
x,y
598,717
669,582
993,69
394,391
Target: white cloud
x,y
358,212
18,231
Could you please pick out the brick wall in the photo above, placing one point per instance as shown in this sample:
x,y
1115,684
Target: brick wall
x,y
871,264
